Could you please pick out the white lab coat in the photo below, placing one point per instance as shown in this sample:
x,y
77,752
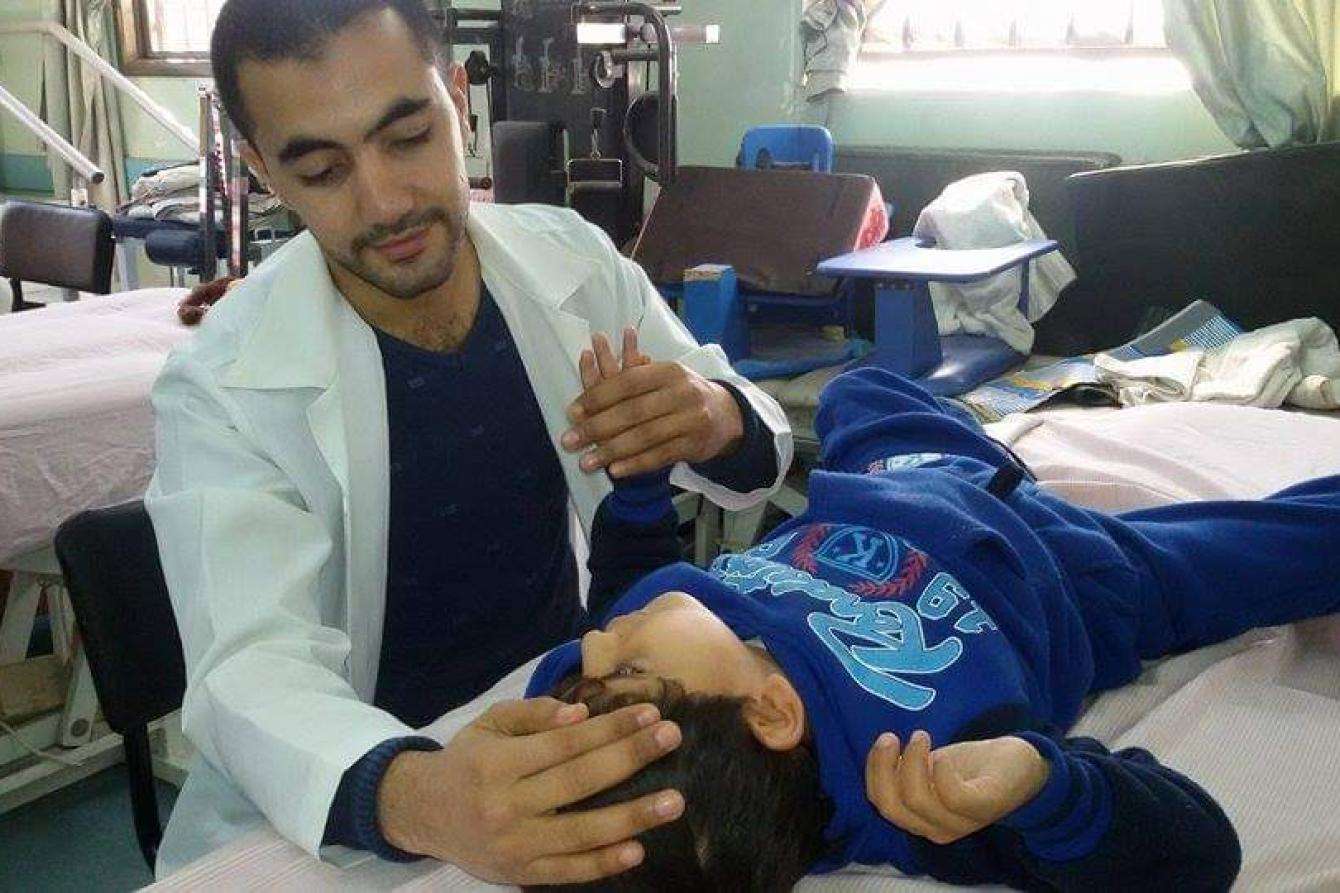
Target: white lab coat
x,y
271,492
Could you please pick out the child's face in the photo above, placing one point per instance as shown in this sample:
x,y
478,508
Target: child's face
x,y
673,637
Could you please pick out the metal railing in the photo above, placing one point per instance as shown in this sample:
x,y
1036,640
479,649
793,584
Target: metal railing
x,y
43,131
81,164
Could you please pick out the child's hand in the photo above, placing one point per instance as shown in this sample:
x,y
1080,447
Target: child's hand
x,y
599,363
954,791
645,416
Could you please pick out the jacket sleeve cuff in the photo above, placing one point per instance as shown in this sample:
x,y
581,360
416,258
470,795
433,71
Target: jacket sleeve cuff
x,y
1071,813
753,462
642,499
353,814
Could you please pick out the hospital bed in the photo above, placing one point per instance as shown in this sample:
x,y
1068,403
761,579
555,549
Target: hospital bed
x,y
76,432
1254,720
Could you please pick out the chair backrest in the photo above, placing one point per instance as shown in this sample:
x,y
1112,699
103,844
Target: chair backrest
x,y
1254,233
911,178
112,572
803,147
773,227
56,245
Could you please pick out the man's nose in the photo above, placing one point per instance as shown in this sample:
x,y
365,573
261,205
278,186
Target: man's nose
x,y
383,194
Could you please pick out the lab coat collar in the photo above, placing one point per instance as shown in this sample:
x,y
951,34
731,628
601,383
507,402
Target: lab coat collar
x,y
511,245
293,343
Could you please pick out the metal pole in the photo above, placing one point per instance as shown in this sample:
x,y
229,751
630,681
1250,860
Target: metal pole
x,y
107,70
209,258
239,188
59,144
666,71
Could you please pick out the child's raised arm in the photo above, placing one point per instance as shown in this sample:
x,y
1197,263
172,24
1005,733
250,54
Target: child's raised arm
x,y
634,531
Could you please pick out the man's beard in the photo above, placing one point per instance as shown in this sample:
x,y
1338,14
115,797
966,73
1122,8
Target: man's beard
x,y
420,275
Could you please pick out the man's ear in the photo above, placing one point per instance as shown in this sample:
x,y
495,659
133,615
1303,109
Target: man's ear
x,y
255,163
776,714
458,88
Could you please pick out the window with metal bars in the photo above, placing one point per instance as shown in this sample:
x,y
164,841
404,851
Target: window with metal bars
x,y
954,27
166,36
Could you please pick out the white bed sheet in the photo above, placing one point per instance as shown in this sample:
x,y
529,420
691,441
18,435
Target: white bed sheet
x,y
76,428
1255,720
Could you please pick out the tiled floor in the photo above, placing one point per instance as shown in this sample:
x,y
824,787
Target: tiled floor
x,y
79,838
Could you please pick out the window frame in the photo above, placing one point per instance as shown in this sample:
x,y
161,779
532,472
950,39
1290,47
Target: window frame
x,y
884,51
138,59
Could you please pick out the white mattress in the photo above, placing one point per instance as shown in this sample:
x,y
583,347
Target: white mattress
x,y
76,429
1256,720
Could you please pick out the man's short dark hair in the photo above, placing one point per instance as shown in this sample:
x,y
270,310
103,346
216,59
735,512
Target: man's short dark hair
x,y
268,30
753,819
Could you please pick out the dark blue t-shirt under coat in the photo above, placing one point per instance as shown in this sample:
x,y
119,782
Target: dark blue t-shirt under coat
x,y
480,570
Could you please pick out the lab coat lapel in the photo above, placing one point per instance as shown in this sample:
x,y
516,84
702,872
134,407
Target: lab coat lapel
x,y
309,337
531,286
348,423
367,491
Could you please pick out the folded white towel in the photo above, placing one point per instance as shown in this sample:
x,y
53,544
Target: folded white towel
x,y
1296,362
991,211
1163,379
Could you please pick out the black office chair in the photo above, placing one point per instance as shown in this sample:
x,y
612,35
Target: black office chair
x,y
54,245
110,561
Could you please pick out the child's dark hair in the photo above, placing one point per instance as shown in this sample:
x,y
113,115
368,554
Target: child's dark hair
x,y
753,819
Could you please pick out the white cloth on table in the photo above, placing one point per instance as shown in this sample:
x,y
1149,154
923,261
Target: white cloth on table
x,y
991,211
1295,362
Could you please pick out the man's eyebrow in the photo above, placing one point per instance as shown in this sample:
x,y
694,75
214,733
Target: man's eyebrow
x,y
401,108
302,145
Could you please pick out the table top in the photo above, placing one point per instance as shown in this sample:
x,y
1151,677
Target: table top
x,y
912,259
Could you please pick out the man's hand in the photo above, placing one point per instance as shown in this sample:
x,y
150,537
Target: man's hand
x,y
648,415
487,802
195,305
949,793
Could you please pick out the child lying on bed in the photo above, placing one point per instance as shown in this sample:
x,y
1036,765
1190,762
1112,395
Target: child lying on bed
x,y
887,679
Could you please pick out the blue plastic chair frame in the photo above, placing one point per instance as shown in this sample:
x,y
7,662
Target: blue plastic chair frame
x,y
907,340
799,147
714,307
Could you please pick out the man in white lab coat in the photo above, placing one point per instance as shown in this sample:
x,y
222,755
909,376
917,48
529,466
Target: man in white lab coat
x,y
358,461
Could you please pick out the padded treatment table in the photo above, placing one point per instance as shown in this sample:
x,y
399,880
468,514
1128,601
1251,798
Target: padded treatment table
x,y
1253,720
76,428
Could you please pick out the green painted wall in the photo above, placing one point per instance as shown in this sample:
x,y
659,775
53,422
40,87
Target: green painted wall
x,y
21,73
1149,127
145,137
23,165
753,77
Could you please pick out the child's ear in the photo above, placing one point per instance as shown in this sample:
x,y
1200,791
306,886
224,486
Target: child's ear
x,y
776,714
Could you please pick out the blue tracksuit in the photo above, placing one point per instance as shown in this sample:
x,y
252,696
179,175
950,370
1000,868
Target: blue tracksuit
x,y
928,586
